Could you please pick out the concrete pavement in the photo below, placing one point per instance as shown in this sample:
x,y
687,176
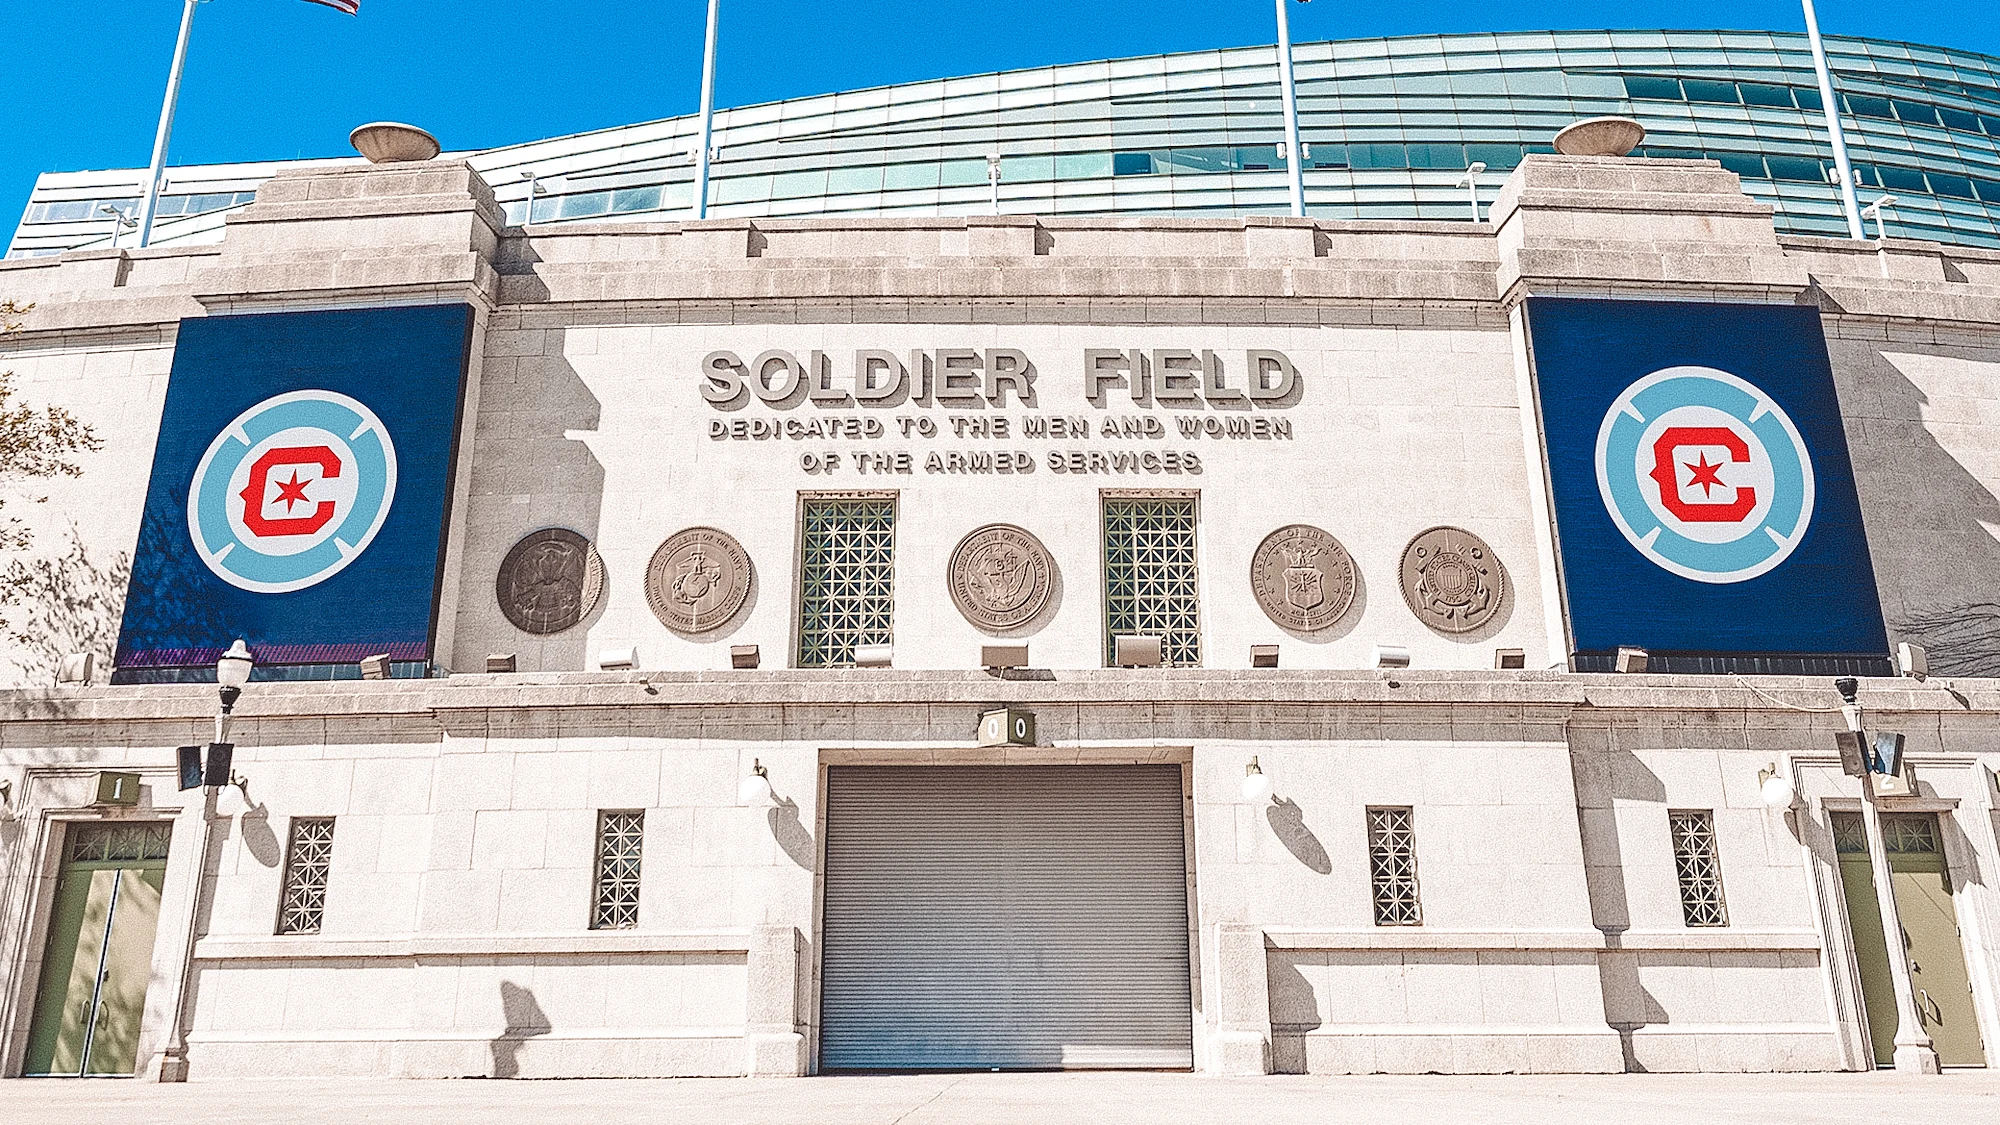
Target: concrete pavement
x,y
1005,1099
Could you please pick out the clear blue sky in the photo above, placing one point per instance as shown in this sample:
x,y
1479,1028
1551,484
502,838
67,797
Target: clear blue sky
x,y
271,79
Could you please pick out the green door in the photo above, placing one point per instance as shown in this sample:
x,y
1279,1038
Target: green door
x,y
1930,934
99,955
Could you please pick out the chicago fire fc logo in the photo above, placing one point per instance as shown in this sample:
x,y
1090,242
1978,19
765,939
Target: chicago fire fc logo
x,y
292,491
1705,475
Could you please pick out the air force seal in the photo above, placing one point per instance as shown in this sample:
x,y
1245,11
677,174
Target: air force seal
x,y
292,491
1704,474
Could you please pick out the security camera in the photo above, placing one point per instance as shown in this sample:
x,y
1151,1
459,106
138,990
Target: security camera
x,y
1848,687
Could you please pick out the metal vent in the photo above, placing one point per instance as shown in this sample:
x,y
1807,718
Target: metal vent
x,y
620,839
307,861
1697,868
1392,867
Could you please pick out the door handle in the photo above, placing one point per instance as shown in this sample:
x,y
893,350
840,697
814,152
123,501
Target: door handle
x,y
1934,1014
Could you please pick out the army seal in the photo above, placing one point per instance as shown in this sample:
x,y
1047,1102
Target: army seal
x,y
549,581
698,580
1302,578
1452,580
1000,577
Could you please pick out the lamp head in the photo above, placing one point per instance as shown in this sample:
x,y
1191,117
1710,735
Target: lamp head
x,y
1849,688
1256,783
756,786
1776,789
232,671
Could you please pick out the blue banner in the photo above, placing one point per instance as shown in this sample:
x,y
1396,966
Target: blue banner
x,y
300,492
1704,501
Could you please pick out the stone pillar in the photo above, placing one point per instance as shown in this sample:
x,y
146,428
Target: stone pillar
x,y
774,1035
1243,1033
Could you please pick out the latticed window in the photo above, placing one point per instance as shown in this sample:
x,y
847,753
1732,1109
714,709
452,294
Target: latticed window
x,y
847,578
1392,867
1150,587
1696,867
118,841
306,862
1914,833
620,838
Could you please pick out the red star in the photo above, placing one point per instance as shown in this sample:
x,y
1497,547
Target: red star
x,y
291,492
1705,475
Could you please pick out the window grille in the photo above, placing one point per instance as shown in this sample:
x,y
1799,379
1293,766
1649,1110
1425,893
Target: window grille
x,y
1914,833
620,839
119,841
847,579
1392,867
1696,867
1150,587
307,859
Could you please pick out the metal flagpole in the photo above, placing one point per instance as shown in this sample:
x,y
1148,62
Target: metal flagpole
x,y
158,169
1826,95
1294,158
707,115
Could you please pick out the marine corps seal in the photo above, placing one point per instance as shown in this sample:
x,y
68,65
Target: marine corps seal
x,y
698,580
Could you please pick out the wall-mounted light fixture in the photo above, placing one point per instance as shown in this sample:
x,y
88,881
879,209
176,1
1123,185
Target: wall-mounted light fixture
x,y
618,659
1778,791
375,667
1256,783
756,786
1510,658
1392,656
1630,659
1263,656
999,658
873,656
497,662
744,656
77,668
1129,650
1912,660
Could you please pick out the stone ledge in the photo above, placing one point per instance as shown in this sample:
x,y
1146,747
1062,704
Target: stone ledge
x,y
1413,940
597,943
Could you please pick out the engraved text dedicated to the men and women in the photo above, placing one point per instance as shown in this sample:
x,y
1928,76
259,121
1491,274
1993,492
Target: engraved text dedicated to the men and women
x,y
550,581
1302,577
1001,577
698,580
1452,580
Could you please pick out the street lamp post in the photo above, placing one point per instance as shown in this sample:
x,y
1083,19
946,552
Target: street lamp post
x,y
119,223
707,115
1294,155
1914,1053
232,671
1470,182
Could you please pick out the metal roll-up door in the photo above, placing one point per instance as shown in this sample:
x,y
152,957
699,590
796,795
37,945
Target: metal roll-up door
x,y
1005,916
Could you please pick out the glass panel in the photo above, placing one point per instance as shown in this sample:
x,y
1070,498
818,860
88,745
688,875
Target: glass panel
x,y
1258,158
1437,156
1958,119
962,173
1958,187
1704,90
850,181
1808,98
201,204
902,177
1083,165
1377,156
1992,124
1498,158
1916,113
636,199
1132,164
1741,163
1653,89
1989,190
1902,179
1756,93
172,205
587,204
1863,106
1796,168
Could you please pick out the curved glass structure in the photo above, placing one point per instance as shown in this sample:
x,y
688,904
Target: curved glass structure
x,y
1389,125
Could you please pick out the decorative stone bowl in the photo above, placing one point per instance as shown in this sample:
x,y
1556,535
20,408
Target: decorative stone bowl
x,y
391,142
1601,136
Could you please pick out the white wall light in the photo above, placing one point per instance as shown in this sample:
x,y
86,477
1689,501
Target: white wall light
x,y
1392,656
756,786
615,659
1778,791
1256,783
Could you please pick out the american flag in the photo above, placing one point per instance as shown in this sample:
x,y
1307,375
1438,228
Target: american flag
x,y
351,7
